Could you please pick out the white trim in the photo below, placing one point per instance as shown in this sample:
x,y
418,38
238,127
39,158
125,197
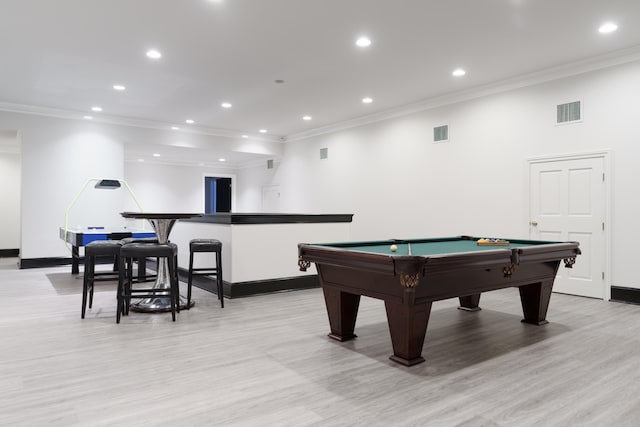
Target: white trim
x,y
131,122
605,155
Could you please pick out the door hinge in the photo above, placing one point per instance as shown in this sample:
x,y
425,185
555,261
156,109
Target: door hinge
x,y
603,226
602,176
603,275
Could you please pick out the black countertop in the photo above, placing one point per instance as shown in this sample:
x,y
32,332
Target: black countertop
x,y
270,218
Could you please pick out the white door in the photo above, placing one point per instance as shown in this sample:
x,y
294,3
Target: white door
x,y
271,198
568,203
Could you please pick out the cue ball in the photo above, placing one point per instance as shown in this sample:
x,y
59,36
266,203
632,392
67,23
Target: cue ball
x,y
393,248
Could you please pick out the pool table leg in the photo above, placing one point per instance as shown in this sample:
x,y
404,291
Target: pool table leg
x,y
470,302
535,301
342,308
408,327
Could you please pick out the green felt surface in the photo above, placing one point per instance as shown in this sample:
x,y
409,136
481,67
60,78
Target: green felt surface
x,y
431,247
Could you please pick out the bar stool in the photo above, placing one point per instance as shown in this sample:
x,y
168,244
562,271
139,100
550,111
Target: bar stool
x,y
206,245
91,251
130,251
142,262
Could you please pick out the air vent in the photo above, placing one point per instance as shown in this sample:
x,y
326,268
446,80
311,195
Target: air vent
x,y
324,153
270,164
569,112
441,133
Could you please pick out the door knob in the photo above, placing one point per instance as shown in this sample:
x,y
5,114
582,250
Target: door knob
x,y
534,223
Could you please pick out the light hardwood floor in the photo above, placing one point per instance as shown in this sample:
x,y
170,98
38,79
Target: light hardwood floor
x,y
266,361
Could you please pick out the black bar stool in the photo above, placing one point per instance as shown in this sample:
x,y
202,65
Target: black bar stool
x,y
91,251
131,251
206,245
142,262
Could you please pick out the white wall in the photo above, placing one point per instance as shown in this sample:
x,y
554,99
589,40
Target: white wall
x,y
9,200
60,154
58,157
167,188
400,184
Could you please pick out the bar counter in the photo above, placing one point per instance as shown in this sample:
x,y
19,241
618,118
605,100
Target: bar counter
x,y
259,250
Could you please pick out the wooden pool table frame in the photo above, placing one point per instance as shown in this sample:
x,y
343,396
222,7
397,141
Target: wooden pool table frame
x,y
409,284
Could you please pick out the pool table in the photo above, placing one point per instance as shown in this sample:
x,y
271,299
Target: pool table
x,y
421,271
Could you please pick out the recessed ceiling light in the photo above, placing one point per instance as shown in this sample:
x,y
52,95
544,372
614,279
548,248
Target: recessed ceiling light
x,y
96,109
245,136
189,121
222,160
156,155
226,105
608,27
307,118
88,117
141,160
175,128
263,131
119,87
363,42
367,100
459,72
154,54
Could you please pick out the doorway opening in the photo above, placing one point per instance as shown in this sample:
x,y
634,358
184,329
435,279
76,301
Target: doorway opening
x,y
218,193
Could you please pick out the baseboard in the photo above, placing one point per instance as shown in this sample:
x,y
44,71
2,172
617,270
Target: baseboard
x,y
9,253
245,289
56,262
230,290
627,295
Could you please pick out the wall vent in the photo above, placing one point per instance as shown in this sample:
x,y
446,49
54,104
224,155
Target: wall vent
x,y
324,153
441,133
569,112
270,164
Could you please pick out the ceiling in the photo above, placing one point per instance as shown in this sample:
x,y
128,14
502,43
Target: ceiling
x,y
66,55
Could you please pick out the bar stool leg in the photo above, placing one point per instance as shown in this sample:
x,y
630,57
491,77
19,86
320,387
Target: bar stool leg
x,y
173,285
120,294
190,280
85,286
219,277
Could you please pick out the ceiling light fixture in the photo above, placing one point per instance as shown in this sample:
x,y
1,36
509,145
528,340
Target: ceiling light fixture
x,y
175,128
119,88
96,109
607,27
245,136
141,160
156,155
307,118
222,160
459,72
154,54
88,117
189,121
363,42
226,105
367,100
263,131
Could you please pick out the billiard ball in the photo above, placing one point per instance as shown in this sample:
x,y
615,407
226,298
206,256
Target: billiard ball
x,y
393,248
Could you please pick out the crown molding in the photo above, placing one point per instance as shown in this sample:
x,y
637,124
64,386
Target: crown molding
x,y
611,59
130,122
